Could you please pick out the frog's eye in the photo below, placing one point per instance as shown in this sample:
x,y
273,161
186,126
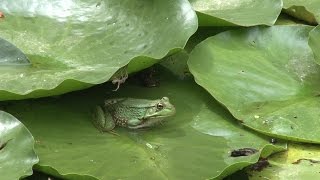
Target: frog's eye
x,y
159,106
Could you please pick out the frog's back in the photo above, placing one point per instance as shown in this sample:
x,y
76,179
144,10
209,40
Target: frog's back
x,y
127,108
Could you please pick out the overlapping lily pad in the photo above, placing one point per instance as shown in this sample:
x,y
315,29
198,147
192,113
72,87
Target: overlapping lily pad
x,y
285,19
299,162
74,44
266,77
11,55
237,12
17,155
308,11
314,43
200,136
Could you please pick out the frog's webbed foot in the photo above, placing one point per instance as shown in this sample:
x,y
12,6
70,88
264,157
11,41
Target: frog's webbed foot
x,y
142,129
113,132
120,77
114,82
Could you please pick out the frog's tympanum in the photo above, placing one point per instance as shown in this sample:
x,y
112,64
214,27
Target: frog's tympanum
x,y
131,113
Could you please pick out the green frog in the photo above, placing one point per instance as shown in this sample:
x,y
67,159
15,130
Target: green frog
x,y
131,113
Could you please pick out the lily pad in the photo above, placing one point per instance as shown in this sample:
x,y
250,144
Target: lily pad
x,y
237,13
17,155
75,44
285,19
301,161
308,11
11,55
314,43
201,135
266,77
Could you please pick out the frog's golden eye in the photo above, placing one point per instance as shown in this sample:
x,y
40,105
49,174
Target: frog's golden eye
x,y
159,106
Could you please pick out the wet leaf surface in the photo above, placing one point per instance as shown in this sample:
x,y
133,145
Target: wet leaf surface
x,y
75,44
266,77
201,132
17,155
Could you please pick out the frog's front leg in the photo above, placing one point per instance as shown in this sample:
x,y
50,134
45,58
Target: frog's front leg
x,y
120,77
102,120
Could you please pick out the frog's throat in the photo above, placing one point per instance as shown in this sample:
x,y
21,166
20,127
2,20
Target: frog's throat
x,y
149,123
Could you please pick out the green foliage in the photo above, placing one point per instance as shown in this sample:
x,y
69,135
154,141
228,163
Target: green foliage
x,y
298,162
305,10
266,77
17,155
237,13
76,44
201,130
262,86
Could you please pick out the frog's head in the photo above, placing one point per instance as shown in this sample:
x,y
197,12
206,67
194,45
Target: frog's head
x,y
156,113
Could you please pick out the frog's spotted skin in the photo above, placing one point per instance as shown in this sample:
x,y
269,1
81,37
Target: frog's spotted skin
x,y
132,113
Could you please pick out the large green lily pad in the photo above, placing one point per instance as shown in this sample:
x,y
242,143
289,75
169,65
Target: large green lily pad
x,y
266,77
301,161
308,11
237,12
17,155
200,136
74,44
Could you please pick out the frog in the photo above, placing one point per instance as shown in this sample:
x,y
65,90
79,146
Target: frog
x,y
131,113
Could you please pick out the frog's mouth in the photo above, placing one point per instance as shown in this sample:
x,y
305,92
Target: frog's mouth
x,y
154,120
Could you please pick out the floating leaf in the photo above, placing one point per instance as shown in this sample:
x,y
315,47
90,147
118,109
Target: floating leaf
x,y
75,44
11,55
17,155
266,77
285,19
235,12
299,162
314,43
306,10
201,135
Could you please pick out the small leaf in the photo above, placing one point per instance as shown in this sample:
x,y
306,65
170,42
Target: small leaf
x,y
308,11
300,161
11,55
17,155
